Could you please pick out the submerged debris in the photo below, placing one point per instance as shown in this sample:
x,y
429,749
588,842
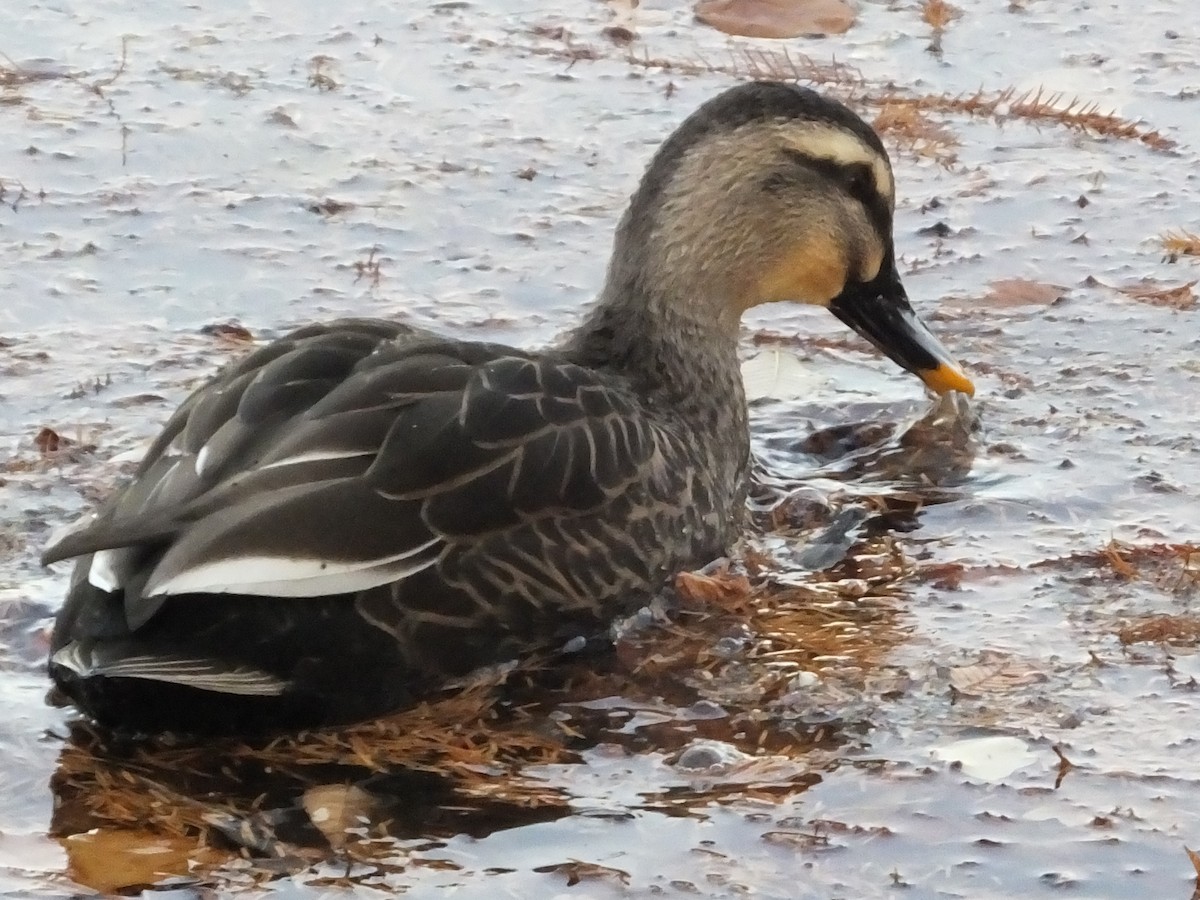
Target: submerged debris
x,y
993,673
1022,292
288,797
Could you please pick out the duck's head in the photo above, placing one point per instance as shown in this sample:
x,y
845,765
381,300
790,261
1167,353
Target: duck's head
x,y
773,192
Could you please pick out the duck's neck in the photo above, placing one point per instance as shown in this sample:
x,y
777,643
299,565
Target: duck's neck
x,y
676,358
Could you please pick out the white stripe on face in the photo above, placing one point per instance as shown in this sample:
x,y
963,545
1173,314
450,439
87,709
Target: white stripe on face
x,y
843,148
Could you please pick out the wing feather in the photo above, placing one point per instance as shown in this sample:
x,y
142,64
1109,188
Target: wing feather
x,y
333,462
120,661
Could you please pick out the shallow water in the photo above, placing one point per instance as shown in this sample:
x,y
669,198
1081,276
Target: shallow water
x,y
462,166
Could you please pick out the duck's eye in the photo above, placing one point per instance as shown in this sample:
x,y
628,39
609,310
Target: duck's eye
x,y
859,182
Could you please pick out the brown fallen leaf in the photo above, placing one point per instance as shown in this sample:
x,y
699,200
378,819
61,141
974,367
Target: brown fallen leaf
x,y
619,35
577,871
109,860
1180,296
705,590
992,674
327,207
231,332
336,808
1022,292
48,441
938,13
777,18
1064,767
943,576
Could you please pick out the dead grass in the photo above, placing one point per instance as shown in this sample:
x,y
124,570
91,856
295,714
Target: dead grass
x,y
13,77
1177,631
369,268
1181,243
1172,568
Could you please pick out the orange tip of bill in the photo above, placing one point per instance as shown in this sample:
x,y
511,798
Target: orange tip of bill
x,y
946,378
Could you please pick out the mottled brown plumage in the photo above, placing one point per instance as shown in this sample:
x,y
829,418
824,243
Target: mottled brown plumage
x,y
360,511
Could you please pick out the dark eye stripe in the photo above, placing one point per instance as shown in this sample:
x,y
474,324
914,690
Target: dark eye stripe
x,y
856,179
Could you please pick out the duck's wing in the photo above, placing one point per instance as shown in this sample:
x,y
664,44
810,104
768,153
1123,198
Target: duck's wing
x,y
324,471
226,427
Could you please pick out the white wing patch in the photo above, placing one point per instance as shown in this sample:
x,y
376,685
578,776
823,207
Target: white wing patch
x,y
281,576
199,673
110,568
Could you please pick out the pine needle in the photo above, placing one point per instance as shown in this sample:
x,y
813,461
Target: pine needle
x,y
848,84
759,64
1037,106
916,133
